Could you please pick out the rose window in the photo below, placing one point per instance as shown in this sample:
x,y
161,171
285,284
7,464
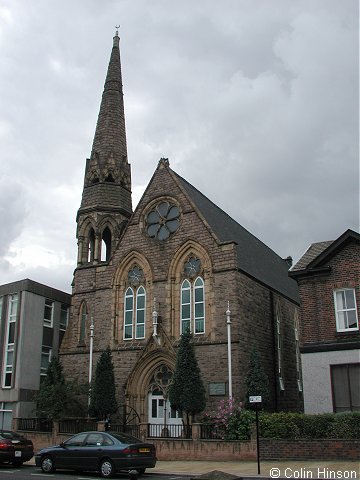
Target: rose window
x,y
163,221
192,267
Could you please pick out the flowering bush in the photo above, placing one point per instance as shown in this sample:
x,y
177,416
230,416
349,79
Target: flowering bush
x,y
232,422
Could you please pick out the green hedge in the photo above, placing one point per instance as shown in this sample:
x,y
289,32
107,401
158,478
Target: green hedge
x,y
299,425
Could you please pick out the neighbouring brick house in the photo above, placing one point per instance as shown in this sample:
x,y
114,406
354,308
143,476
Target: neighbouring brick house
x,y
328,277
173,264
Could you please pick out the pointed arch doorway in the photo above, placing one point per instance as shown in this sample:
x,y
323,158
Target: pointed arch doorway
x,y
164,420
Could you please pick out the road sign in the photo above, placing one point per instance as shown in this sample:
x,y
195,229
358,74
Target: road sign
x,y
255,399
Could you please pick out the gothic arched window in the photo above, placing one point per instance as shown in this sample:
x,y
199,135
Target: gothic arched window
x,y
192,306
105,245
83,319
279,348
91,245
134,313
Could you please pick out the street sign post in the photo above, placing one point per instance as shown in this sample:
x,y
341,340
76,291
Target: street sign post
x,y
256,399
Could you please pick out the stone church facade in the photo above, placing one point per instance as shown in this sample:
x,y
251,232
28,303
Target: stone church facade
x,y
174,264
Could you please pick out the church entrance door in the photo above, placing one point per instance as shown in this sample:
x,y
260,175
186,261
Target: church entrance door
x,y
164,420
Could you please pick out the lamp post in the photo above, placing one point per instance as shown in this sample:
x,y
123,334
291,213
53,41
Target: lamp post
x,y
228,323
155,320
91,356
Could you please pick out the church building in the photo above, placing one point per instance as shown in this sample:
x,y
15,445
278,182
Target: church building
x,y
176,263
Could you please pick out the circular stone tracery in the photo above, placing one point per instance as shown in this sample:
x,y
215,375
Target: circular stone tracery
x,y
163,220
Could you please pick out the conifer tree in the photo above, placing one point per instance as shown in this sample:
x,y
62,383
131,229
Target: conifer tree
x,y
187,392
102,399
257,381
54,398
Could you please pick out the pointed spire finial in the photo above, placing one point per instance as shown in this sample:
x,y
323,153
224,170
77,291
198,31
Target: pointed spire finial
x,y
116,37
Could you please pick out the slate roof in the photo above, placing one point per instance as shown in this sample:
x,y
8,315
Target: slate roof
x,y
311,253
320,252
254,257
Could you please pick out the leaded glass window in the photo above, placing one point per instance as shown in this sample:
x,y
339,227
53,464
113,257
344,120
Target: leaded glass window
x,y
192,306
163,220
134,313
128,313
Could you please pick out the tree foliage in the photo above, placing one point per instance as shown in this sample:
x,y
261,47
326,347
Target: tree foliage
x,y
56,398
103,400
187,392
257,381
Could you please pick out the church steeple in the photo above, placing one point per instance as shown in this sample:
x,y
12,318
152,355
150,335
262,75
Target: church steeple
x,y
106,199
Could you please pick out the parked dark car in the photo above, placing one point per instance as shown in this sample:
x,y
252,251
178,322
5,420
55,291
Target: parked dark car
x,y
105,452
15,448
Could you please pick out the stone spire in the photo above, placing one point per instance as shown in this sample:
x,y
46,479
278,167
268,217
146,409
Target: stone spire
x,y
107,183
108,160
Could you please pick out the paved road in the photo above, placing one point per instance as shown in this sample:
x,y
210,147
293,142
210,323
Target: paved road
x,y
29,472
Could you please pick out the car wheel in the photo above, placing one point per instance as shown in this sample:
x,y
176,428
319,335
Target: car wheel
x,y
47,464
17,463
106,468
141,471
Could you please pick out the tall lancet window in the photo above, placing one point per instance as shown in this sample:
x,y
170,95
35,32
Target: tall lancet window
x,y
279,348
192,299
135,305
106,245
91,245
82,320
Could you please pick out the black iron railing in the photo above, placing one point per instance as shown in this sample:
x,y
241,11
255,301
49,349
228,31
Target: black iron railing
x,y
161,430
76,425
211,431
35,424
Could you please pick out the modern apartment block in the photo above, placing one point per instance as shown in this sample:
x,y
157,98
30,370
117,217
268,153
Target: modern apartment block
x,y
33,320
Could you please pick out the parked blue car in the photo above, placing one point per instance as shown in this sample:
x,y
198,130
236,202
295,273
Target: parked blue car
x,y
106,452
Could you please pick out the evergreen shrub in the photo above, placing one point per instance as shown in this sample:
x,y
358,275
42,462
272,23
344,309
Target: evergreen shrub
x,y
300,425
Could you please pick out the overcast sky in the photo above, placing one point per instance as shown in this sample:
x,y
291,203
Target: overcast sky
x,y
254,102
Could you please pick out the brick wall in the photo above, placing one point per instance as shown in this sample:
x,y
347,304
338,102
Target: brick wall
x,y
318,322
324,449
270,449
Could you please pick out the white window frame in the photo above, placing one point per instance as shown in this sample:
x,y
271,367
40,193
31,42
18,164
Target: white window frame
x,y
9,350
49,304
140,293
131,315
185,320
192,320
345,310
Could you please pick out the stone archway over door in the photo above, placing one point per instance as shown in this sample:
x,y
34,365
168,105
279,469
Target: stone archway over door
x,y
163,419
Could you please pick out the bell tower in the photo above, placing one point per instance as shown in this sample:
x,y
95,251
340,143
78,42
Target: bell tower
x,y
106,199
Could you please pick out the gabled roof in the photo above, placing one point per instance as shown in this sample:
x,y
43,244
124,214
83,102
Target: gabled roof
x,y
254,257
320,252
311,253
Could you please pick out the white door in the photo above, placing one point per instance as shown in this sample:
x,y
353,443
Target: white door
x,y
164,420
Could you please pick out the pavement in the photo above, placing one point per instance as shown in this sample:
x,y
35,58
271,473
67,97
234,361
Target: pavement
x,y
322,469
314,469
